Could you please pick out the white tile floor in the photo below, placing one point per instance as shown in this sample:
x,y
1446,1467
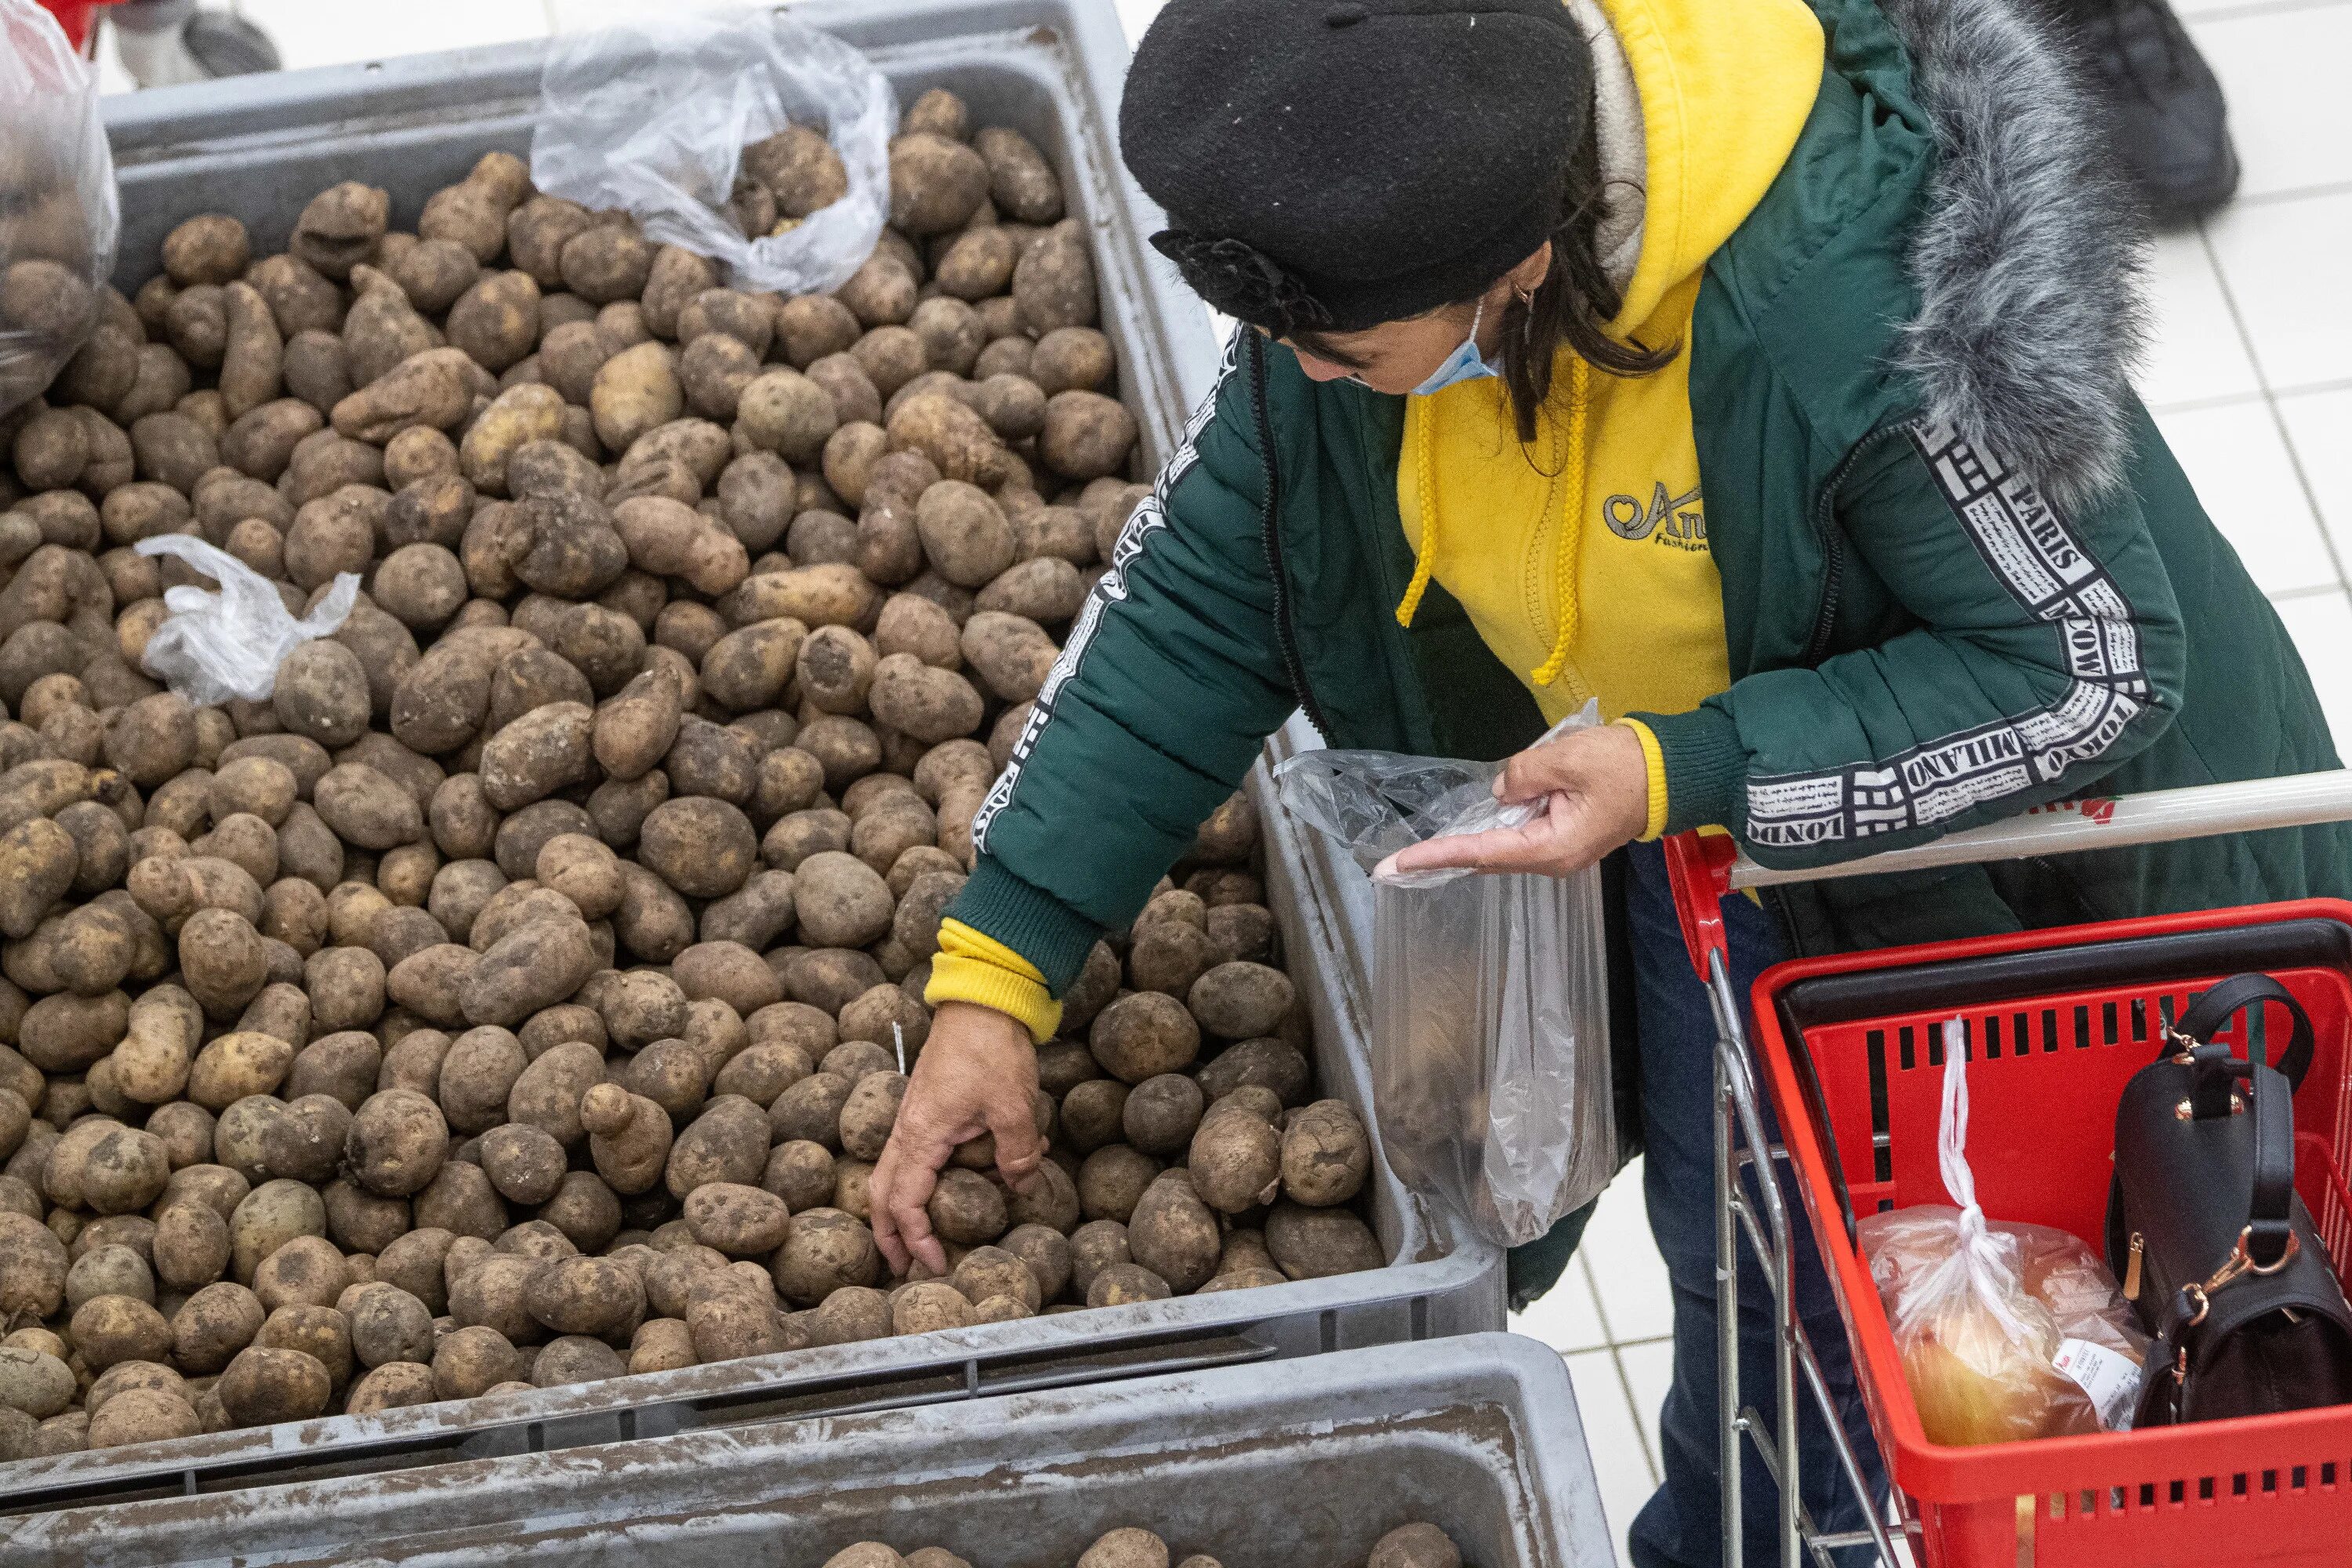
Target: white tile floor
x,y
1610,1315
2251,380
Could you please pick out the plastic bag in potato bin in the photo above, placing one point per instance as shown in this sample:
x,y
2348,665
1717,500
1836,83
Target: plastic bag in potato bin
x,y
214,646
58,210
651,114
2007,1331
1490,1009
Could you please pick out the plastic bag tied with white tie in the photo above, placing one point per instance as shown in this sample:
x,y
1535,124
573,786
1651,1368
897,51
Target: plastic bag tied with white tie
x,y
651,114
1984,1265
1491,1088
2007,1331
215,646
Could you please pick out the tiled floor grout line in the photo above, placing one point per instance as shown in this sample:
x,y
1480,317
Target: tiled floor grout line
x,y
2312,389
2284,595
1626,1386
2230,304
1617,1363
2205,405
2310,492
2271,408
2258,9
2294,193
1592,1290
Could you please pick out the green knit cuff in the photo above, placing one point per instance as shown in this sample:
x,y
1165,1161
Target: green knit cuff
x,y
1036,925
1706,767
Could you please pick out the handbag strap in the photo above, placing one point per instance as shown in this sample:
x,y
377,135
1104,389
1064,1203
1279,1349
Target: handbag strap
x,y
2270,1213
2235,996
2269,1207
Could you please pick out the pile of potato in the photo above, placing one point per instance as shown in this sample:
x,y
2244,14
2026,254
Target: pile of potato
x,y
1412,1545
517,994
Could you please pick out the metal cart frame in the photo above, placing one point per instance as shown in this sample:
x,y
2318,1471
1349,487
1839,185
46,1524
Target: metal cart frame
x,y
1705,869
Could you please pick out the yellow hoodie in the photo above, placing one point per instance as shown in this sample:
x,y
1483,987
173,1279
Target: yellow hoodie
x,y
1604,514
1583,559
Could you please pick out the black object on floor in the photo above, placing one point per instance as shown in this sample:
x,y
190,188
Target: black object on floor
x,y
2166,122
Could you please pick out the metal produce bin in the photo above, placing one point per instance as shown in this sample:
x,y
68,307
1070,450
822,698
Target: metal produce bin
x,y
260,147
1304,1464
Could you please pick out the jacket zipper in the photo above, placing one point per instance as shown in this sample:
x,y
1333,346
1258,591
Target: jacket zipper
x,y
1825,618
1776,901
1270,531
1832,546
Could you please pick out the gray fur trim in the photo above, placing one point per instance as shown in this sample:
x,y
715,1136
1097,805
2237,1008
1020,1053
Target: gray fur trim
x,y
2028,262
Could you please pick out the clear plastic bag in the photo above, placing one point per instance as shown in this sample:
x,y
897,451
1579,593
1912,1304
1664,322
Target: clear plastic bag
x,y
2007,1331
214,646
1490,1007
57,209
651,113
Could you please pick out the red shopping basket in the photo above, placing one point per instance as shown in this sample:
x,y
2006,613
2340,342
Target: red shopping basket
x,y
2057,1021
74,17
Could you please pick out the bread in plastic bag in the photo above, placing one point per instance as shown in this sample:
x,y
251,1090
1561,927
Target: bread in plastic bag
x,y
2007,1331
1490,1010
651,114
59,215
214,647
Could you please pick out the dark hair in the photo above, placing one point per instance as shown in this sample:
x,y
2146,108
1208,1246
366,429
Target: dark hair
x,y
1572,306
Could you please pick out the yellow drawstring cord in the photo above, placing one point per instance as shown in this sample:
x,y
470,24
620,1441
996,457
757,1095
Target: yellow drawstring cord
x,y
1424,561
1566,578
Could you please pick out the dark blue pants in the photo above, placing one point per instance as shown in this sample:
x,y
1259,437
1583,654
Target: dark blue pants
x,y
1680,1525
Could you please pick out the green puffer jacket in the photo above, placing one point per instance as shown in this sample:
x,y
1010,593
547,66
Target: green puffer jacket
x,y
1961,573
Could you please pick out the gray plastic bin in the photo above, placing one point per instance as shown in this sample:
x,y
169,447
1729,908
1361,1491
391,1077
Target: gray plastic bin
x,y
260,147
1300,1465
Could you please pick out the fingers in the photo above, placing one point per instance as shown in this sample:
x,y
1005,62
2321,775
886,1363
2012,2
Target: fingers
x,y
908,1218
1501,848
1558,843
1013,1118
901,1187
879,1188
1541,770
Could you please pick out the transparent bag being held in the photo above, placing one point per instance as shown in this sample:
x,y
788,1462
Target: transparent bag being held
x,y
1490,1004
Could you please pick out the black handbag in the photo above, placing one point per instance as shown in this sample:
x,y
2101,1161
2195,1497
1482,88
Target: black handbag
x,y
2213,1246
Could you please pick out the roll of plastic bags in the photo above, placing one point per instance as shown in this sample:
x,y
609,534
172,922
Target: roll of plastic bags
x,y
651,113
1491,1085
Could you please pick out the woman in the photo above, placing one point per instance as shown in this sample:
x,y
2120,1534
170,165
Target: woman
x,y
1756,368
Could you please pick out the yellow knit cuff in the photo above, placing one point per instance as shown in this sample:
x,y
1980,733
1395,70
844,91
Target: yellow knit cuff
x,y
979,969
1656,759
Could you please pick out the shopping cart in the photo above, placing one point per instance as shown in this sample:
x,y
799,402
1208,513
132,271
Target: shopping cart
x,y
166,43
2056,1021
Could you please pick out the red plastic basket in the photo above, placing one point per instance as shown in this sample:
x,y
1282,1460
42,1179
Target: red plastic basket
x,y
74,17
2055,1031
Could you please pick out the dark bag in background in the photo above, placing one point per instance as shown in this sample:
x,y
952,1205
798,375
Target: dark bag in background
x,y
2206,1232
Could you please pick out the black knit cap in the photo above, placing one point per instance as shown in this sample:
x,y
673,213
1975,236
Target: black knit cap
x,y
1332,164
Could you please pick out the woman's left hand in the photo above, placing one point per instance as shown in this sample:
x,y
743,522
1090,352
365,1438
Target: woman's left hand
x,y
1597,782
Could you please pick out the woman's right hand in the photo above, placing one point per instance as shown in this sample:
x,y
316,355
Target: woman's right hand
x,y
977,1073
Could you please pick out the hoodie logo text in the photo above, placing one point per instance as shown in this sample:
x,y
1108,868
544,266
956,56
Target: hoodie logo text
x,y
1676,520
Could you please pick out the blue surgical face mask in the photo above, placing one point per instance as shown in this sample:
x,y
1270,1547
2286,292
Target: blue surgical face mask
x,y
1464,364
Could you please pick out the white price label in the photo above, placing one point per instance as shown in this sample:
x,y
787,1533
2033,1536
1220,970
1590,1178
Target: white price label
x,y
2110,1378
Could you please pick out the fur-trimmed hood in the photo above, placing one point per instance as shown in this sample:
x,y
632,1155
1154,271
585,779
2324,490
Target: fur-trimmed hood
x,y
2028,260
